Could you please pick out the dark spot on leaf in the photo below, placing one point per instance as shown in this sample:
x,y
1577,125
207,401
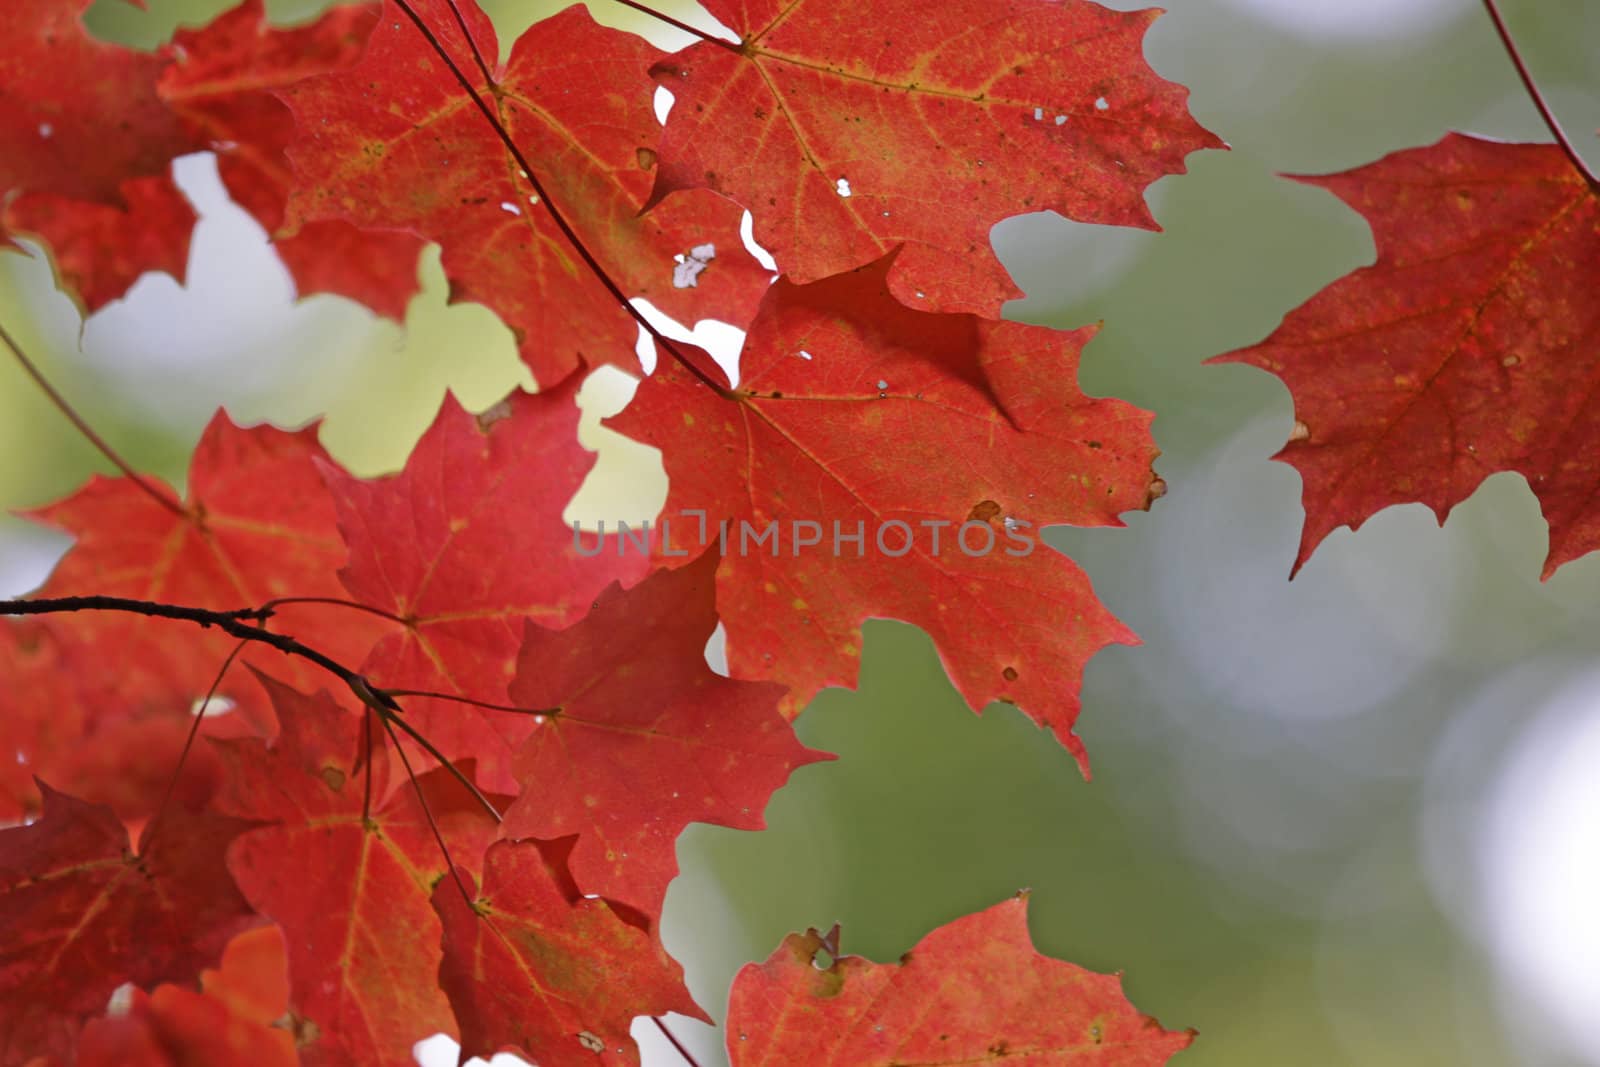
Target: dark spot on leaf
x,y
492,415
983,511
333,777
1009,674
646,157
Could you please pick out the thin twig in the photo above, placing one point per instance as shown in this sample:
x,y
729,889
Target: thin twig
x,y
32,370
430,694
233,623
555,213
684,26
670,1036
1539,101
426,811
188,743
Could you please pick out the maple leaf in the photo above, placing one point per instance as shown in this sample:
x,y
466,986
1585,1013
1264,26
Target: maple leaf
x,y
81,913
854,409
1468,348
643,738
78,117
972,991
224,1025
221,82
922,127
348,881
41,719
533,967
463,545
102,249
85,144
258,524
394,141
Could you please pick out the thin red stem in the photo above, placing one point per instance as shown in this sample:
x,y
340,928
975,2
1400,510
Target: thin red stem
x,y
556,215
670,1036
439,757
427,812
1539,101
32,370
332,602
366,748
684,26
468,700
188,742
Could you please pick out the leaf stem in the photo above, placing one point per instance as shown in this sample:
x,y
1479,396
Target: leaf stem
x,y
556,215
427,812
475,703
32,370
355,605
661,1025
1539,101
188,745
684,26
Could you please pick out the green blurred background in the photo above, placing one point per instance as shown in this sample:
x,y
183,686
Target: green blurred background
x,y
1353,819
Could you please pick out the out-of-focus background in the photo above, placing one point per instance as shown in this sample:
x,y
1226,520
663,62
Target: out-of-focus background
x,y
1352,819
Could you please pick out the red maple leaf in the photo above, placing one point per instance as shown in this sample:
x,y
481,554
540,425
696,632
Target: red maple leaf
x,y
642,737
394,141
849,136
465,544
532,967
859,413
85,144
973,991
348,875
102,249
1468,348
78,116
221,82
226,1024
81,913
257,524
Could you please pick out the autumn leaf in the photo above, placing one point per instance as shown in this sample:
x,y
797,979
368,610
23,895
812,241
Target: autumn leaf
x,y
85,144
1469,347
848,136
349,883
859,415
462,546
81,913
221,82
973,991
225,1024
394,141
642,738
534,968
78,117
257,524
100,250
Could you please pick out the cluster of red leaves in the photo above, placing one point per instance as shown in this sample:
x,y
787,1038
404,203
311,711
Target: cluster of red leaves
x,y
511,896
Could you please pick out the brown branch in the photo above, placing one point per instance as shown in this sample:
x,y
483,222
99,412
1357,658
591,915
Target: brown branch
x,y
32,370
670,1036
246,624
1539,101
